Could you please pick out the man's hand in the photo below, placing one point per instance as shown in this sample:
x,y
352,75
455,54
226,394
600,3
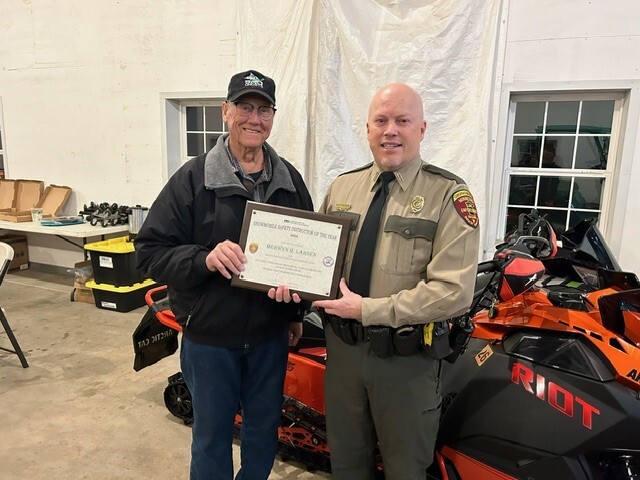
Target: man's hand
x,y
347,306
282,294
295,332
227,258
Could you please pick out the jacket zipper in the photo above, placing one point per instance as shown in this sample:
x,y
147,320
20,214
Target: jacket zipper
x,y
193,308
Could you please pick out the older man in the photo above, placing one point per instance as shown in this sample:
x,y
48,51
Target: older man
x,y
410,266
234,342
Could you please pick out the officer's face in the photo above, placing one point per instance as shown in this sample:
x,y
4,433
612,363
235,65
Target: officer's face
x,y
247,132
395,126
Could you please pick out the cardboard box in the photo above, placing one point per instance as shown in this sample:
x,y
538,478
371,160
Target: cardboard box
x,y
51,200
82,273
20,251
82,294
7,194
27,194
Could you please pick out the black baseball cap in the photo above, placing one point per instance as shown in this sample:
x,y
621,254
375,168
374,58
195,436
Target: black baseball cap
x,y
251,81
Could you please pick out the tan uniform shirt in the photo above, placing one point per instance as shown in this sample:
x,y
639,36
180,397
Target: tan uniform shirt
x,y
424,267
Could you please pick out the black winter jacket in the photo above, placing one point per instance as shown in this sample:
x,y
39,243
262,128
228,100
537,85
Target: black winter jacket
x,y
202,205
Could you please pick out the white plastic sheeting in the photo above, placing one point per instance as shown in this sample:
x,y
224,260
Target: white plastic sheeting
x,y
328,57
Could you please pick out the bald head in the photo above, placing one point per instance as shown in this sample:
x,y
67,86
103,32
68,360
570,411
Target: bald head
x,y
395,126
400,93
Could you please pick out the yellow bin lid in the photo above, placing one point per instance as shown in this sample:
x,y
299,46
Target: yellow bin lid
x,y
113,245
125,289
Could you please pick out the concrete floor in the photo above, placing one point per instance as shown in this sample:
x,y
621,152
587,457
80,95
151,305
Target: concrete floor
x,y
80,411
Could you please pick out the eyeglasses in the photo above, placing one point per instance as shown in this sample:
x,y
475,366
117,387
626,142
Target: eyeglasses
x,y
245,109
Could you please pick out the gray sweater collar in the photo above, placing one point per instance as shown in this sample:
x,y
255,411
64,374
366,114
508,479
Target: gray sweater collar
x,y
219,174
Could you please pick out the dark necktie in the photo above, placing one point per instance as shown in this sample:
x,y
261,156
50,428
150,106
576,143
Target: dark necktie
x,y
361,265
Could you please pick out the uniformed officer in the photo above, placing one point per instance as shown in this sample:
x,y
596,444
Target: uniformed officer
x,y
385,340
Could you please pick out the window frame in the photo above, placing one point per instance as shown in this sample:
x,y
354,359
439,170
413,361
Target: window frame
x,y
173,128
612,160
500,117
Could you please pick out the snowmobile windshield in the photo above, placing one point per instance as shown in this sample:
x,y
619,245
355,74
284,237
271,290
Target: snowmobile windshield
x,y
620,313
587,243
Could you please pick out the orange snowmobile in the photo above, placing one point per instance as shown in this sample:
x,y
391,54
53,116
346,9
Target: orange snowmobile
x,y
543,379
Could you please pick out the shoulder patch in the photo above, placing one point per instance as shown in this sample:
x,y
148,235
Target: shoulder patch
x,y
466,207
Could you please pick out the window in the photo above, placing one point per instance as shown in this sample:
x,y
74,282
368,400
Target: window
x,y
201,126
192,124
561,157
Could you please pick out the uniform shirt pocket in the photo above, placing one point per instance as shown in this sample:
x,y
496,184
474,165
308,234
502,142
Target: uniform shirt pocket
x,y
407,244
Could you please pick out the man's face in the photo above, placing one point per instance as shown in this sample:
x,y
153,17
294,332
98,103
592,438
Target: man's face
x,y
247,131
548,157
395,126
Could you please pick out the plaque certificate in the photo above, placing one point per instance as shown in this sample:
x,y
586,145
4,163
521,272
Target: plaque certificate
x,y
297,248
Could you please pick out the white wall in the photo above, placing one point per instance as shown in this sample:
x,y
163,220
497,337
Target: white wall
x,y
81,82
579,45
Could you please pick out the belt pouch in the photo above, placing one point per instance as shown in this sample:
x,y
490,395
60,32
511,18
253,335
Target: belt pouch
x,y
358,331
407,340
342,330
439,347
380,341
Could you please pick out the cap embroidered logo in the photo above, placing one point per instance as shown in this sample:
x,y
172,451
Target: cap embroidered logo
x,y
252,81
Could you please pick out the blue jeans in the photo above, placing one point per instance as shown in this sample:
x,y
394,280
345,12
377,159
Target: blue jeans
x,y
220,381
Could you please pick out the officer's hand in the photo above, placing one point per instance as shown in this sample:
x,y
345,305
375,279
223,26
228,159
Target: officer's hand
x,y
282,294
295,332
227,258
347,306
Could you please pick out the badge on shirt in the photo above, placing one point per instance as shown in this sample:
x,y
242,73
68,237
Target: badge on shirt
x,y
342,207
417,203
466,207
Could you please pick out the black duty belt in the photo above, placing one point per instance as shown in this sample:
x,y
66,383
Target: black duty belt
x,y
384,341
